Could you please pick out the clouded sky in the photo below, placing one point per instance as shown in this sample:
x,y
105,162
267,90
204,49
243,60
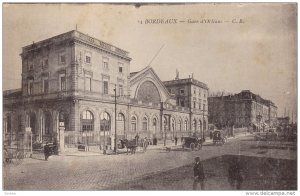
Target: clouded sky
x,y
259,54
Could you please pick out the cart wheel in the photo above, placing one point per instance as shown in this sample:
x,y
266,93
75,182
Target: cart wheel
x,y
19,158
192,146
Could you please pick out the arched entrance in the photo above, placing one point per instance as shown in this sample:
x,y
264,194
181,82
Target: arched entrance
x,y
185,127
105,128
47,127
31,122
173,127
155,127
179,127
194,125
121,125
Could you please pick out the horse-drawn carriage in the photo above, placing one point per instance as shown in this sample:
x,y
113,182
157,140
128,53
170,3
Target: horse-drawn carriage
x,y
219,137
132,145
192,142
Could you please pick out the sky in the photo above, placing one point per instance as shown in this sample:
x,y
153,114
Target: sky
x,y
258,54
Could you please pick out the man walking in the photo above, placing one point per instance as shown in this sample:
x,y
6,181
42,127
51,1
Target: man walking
x,y
47,151
199,175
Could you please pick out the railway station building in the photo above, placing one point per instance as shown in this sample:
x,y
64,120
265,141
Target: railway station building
x,y
78,89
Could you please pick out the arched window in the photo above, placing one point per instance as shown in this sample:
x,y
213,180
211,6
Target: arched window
x,y
87,121
179,125
154,122
185,125
173,126
145,124
105,121
47,129
200,126
133,123
121,124
194,125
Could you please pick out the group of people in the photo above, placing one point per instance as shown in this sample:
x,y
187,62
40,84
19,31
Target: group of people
x,y
235,177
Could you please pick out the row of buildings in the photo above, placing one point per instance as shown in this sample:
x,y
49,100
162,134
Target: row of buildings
x,y
78,89
244,109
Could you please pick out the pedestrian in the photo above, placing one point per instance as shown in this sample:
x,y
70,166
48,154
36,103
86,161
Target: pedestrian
x,y
235,177
154,141
136,138
199,175
176,140
47,151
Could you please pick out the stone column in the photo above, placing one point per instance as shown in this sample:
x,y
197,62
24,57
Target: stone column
x,y
61,139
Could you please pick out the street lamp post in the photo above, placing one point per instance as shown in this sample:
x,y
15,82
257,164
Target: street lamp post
x,y
115,148
203,124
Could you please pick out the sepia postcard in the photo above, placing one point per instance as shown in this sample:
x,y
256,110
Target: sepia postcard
x,y
150,96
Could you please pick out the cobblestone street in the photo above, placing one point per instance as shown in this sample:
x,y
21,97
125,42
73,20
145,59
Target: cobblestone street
x,y
99,172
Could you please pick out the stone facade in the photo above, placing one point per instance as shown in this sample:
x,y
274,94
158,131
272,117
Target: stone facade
x,y
69,86
242,110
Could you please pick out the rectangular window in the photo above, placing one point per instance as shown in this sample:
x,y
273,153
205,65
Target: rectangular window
x,y
181,91
30,87
45,86
200,102
44,63
121,93
62,58
145,126
120,67
88,83
87,59
194,91
105,87
204,107
133,126
105,63
182,103
62,82
30,66
194,104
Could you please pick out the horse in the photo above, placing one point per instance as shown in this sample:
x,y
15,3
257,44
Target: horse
x,y
129,144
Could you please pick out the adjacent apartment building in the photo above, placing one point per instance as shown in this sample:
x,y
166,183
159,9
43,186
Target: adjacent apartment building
x,y
242,110
71,84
